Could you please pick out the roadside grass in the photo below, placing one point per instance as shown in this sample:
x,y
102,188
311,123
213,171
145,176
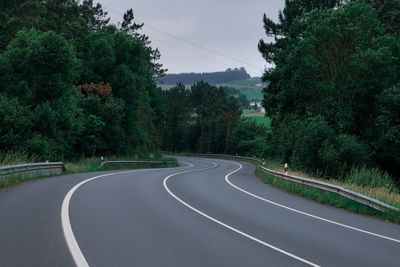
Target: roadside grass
x,y
17,179
327,198
384,190
83,165
16,157
378,193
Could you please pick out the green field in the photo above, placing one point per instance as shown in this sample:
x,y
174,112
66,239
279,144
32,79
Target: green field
x,y
265,121
257,117
250,88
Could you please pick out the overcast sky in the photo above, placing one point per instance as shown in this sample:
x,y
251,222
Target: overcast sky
x,y
202,36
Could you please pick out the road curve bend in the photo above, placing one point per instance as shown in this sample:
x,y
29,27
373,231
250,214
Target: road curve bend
x,y
205,213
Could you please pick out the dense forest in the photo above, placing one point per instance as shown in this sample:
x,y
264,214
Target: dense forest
x,y
334,91
219,77
73,85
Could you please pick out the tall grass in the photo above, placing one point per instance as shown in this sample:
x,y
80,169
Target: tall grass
x,y
371,177
371,182
83,165
16,157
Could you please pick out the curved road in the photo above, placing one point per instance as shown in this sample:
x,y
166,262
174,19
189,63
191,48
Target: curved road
x,y
205,213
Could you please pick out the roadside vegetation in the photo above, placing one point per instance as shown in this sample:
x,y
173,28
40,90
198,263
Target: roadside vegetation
x,y
327,198
333,93
16,157
371,182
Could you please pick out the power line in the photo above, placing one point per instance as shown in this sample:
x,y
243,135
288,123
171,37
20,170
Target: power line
x,y
202,47
193,44
194,53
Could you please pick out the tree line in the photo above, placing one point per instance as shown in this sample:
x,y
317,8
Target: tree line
x,y
219,77
207,119
334,91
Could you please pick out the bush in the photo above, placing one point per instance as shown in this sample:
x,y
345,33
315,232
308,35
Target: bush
x,y
341,152
46,148
249,139
371,178
310,137
299,141
15,123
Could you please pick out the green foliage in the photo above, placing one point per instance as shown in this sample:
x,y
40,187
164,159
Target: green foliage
x,y
389,13
221,77
216,114
387,141
177,116
42,66
371,178
47,51
332,94
12,130
249,139
343,151
199,120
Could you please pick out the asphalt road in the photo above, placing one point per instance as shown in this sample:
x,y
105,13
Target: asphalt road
x,y
205,213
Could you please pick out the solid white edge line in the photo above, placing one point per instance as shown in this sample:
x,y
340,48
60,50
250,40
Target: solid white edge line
x,y
228,226
69,236
304,213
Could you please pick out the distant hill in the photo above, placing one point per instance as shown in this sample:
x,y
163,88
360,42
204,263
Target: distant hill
x,y
220,77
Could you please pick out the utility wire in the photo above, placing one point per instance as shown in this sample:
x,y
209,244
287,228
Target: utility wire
x,y
192,52
202,47
193,44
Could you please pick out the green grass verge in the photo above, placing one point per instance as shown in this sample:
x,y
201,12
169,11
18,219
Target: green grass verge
x,y
15,179
327,198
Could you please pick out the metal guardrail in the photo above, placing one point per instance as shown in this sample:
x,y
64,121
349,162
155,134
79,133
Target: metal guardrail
x,y
360,198
32,169
129,162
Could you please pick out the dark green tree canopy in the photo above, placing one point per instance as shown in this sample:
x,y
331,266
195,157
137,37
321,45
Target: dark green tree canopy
x,y
332,62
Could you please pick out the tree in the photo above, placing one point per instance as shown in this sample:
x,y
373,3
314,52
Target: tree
x,y
387,142
16,123
388,12
330,68
153,55
41,69
216,114
177,118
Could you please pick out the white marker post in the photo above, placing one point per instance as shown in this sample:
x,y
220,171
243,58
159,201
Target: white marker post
x,y
285,167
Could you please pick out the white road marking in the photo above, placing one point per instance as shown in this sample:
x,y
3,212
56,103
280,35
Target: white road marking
x,y
228,226
73,245
304,213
